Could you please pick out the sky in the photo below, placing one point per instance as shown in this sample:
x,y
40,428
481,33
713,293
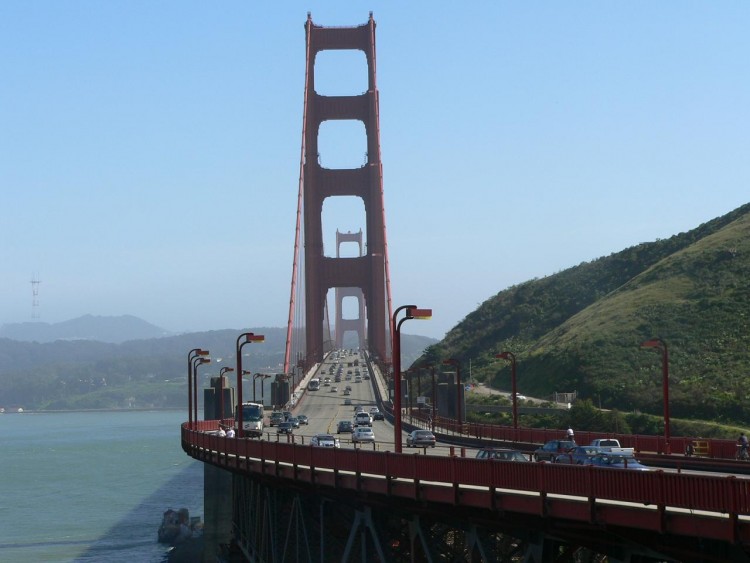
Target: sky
x,y
149,151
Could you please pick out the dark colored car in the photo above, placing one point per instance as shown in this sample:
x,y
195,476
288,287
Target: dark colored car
x,y
553,448
276,418
578,455
420,439
345,426
615,461
376,414
303,419
502,454
285,427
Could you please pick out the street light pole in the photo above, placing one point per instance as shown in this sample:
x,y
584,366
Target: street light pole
x,y
221,390
410,391
198,361
514,395
264,376
661,345
411,313
242,339
434,396
194,353
454,362
419,390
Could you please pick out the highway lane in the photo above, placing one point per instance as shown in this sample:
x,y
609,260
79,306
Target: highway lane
x,y
325,407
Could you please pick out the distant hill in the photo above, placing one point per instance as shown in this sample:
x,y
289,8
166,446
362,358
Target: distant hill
x,y
152,372
581,329
88,327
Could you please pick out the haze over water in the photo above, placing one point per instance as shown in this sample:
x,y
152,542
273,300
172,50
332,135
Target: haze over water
x,y
92,486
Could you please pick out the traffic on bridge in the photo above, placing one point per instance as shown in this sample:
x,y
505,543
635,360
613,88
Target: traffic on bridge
x,y
489,494
343,467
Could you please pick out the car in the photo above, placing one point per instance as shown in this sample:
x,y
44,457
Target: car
x,y
347,401
348,388
287,415
366,377
577,455
420,438
344,426
362,419
285,427
502,454
276,418
294,420
553,448
325,441
363,434
303,419
334,389
358,409
376,414
347,392
616,461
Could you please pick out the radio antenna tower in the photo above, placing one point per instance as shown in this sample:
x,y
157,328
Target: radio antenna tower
x,y
35,281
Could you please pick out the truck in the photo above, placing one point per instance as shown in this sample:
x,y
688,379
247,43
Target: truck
x,y
252,419
611,445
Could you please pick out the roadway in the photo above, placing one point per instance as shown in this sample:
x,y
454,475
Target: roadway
x,y
326,407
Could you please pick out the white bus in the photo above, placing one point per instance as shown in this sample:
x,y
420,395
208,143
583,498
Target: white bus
x,y
252,419
314,385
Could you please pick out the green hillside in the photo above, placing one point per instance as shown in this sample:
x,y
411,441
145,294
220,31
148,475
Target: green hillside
x,y
581,329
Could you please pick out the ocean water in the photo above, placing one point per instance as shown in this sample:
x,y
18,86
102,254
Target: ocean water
x,y
91,487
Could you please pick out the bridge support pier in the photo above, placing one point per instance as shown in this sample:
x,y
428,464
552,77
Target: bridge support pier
x,y
217,510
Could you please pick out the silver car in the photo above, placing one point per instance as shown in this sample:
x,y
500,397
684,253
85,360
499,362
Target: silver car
x,y
325,441
363,434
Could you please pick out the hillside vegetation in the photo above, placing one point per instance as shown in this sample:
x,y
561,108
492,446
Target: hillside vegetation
x,y
581,329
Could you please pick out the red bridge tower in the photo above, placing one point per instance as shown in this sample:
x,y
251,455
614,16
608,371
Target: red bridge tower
x,y
369,271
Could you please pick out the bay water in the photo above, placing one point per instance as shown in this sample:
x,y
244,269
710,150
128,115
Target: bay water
x,y
92,486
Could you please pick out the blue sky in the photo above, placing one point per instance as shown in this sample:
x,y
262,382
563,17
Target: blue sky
x,y
149,151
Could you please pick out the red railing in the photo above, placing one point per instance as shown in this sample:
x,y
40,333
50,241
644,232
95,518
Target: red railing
x,y
717,448
720,495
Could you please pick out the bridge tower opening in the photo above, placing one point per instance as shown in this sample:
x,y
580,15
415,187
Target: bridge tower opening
x,y
356,324
366,276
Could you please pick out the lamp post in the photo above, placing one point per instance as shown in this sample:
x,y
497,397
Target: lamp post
x,y
262,386
454,362
514,396
434,396
419,389
221,390
194,353
410,390
661,345
198,361
242,339
411,313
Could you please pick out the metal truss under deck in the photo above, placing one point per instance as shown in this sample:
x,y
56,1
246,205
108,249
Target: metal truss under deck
x,y
278,522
